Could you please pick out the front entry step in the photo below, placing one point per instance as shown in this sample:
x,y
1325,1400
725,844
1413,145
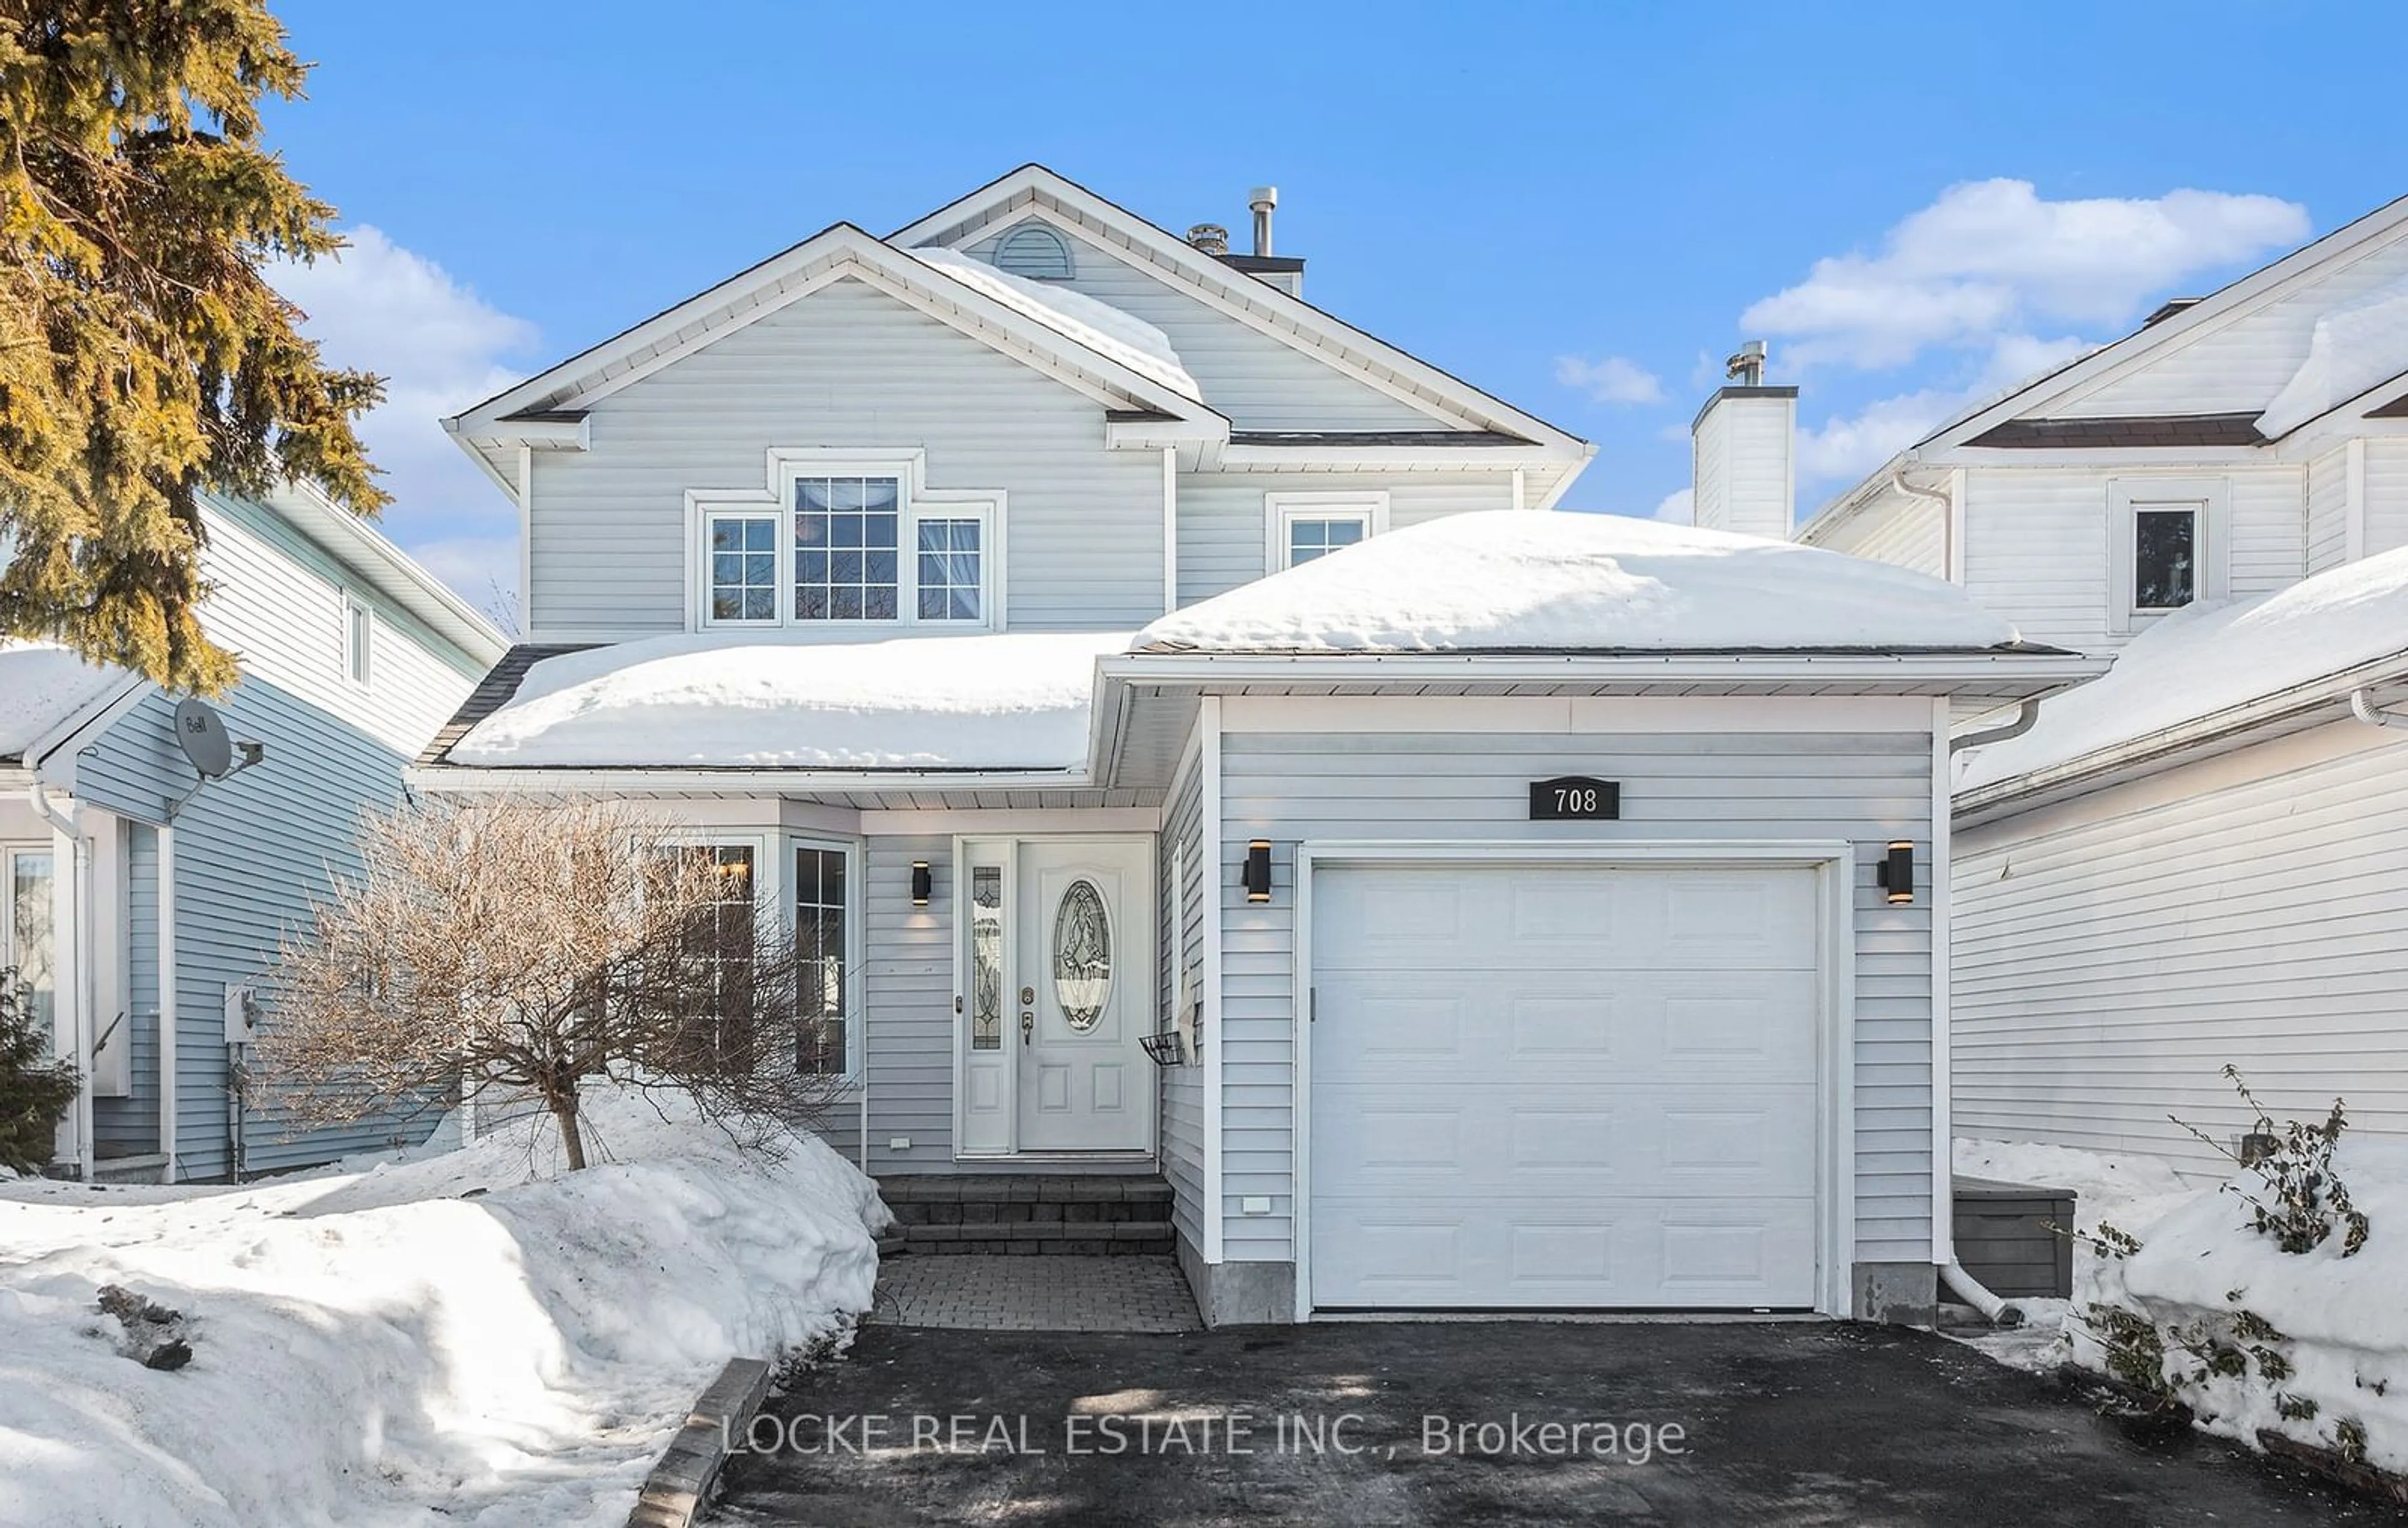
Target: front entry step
x,y
1028,1215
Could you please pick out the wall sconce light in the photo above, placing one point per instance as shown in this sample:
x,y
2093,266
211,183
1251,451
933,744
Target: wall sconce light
x,y
1895,874
922,882
1257,878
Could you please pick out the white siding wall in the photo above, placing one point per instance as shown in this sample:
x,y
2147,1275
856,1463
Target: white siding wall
x,y
1295,786
1182,844
2036,543
1743,478
852,368
2114,954
2328,511
2387,494
277,603
907,991
1906,532
2241,366
1260,383
1221,525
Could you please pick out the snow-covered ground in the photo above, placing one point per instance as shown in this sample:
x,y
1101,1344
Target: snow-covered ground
x,y
377,1347
2339,1324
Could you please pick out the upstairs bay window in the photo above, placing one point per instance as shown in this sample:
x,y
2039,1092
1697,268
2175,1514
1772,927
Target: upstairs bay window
x,y
851,548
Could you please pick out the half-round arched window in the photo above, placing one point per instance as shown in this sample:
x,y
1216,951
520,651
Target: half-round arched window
x,y
1034,251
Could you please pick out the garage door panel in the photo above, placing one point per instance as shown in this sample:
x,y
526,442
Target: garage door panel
x,y
1641,1251
1564,1087
1627,1027
1574,1142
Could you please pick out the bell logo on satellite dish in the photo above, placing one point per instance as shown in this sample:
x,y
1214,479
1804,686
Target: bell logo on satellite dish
x,y
210,749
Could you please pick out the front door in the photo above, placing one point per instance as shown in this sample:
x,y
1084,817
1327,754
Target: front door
x,y
1063,928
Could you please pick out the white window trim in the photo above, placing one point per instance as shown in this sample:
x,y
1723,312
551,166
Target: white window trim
x,y
1281,511
2211,497
773,894
359,663
776,501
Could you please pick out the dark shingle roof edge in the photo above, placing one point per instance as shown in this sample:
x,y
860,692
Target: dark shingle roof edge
x,y
493,693
2135,430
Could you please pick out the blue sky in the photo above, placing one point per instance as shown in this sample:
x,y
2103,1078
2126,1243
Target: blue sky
x,y
1582,208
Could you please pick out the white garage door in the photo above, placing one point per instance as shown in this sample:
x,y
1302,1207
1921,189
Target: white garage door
x,y
1559,1086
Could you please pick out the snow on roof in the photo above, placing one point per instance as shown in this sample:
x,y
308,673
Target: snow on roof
x,y
1519,581
43,686
2356,345
1099,326
723,701
2211,658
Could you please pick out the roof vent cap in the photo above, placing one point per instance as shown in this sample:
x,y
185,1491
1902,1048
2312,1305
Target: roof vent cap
x,y
1211,237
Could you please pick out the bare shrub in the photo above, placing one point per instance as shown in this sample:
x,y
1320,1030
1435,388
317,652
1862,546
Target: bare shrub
x,y
531,947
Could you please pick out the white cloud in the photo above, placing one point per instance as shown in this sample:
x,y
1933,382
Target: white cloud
x,y
439,348
1993,257
1679,508
1612,380
1848,448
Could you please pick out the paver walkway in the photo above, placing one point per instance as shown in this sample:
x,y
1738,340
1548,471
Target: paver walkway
x,y
1035,1295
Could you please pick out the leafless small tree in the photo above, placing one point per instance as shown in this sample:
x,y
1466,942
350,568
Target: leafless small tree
x,y
531,946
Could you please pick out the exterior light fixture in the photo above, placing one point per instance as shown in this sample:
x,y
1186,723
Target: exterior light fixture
x,y
1895,874
1257,878
922,882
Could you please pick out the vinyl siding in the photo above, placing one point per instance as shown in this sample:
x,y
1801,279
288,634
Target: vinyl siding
x,y
251,854
2036,544
2387,494
907,990
852,368
2328,511
1222,541
1258,382
2115,954
129,1126
1904,532
1742,477
2242,365
1183,941
1295,786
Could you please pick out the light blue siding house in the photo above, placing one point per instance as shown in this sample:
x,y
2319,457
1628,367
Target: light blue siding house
x,y
130,878
1301,935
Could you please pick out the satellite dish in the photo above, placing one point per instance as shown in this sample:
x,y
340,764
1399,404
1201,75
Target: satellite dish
x,y
204,740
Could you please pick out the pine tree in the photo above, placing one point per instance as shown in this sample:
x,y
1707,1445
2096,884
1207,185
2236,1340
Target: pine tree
x,y
143,357
36,1087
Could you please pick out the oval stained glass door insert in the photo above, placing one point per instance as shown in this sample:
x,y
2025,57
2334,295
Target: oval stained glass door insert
x,y
1082,955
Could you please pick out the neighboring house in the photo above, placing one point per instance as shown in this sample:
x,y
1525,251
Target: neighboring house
x,y
2202,859
128,875
839,562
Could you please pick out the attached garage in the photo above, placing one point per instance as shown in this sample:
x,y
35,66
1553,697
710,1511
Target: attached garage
x,y
1545,1083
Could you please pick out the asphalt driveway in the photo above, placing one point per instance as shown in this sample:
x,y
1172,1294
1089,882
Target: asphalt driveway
x,y
1477,1423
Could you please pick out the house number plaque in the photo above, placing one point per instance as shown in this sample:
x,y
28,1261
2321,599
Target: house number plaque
x,y
1575,798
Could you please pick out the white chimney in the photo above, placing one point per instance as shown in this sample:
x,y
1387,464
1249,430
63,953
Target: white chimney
x,y
1742,456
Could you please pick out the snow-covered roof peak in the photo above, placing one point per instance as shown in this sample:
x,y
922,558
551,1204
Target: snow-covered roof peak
x,y
746,700
1511,581
43,686
1099,326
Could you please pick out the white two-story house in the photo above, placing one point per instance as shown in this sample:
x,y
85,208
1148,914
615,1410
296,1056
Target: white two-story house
x,y
2202,859
1194,755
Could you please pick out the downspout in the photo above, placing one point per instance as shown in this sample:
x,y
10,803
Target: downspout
x,y
2363,706
1947,516
69,825
2026,717
167,1005
1966,1287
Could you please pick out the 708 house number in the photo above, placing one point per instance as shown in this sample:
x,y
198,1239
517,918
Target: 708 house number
x,y
1575,798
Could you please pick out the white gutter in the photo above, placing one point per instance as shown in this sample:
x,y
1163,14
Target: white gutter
x,y
2363,706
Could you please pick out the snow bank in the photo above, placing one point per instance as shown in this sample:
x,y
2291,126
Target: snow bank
x,y
42,686
373,1348
1099,327
2209,657
1016,701
1508,581
2343,1322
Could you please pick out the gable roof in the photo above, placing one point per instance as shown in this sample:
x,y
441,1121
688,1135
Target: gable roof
x,y
1037,333
1226,286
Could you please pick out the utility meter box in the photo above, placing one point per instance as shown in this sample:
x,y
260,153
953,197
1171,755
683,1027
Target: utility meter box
x,y
242,1012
